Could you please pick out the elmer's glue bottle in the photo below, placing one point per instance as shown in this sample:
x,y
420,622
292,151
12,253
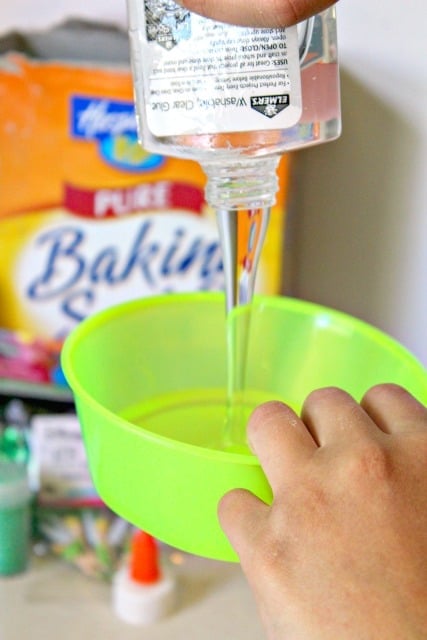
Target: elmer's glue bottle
x,y
143,592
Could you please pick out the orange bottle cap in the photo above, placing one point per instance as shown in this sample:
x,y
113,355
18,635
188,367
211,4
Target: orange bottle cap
x,y
144,560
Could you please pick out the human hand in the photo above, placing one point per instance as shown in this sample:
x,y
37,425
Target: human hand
x,y
342,551
257,13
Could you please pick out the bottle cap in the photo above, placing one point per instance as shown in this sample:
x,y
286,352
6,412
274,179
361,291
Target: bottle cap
x,y
144,560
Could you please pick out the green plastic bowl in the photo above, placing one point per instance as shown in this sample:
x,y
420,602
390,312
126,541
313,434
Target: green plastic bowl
x,y
149,380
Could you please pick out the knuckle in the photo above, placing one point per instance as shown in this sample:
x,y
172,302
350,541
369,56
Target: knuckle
x,y
271,552
266,411
324,394
378,391
417,443
369,462
267,415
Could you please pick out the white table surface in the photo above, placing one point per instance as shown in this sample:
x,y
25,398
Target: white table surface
x,y
53,601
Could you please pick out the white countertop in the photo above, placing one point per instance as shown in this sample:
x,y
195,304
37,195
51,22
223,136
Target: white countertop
x,y
53,601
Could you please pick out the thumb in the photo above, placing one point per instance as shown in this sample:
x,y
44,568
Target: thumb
x,y
257,13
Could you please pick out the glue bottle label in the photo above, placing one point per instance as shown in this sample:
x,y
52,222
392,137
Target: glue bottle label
x,y
208,77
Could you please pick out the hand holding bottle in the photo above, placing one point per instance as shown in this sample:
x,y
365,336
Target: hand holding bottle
x,y
341,552
257,13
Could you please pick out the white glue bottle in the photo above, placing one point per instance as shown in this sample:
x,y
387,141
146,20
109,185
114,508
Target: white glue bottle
x,y
143,591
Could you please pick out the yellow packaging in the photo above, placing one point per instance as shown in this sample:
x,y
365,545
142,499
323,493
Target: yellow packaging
x,y
87,217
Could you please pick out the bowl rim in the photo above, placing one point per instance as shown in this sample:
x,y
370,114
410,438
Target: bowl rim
x,y
325,315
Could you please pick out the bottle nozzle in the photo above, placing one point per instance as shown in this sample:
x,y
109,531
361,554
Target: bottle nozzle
x,y
244,183
144,559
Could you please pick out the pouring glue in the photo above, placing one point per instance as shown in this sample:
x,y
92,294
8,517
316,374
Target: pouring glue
x,y
234,99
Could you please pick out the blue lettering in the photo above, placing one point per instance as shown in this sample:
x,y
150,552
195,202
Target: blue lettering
x,y
72,274
166,267
189,259
141,255
212,265
62,259
68,304
103,266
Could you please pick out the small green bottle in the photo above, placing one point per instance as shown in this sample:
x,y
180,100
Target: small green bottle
x,y
15,499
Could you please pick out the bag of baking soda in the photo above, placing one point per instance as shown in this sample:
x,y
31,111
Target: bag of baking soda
x,y
88,218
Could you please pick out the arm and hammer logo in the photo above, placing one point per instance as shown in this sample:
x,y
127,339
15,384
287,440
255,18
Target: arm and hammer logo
x,y
270,106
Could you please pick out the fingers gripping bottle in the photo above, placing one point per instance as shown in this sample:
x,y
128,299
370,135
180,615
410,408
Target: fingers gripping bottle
x,y
233,99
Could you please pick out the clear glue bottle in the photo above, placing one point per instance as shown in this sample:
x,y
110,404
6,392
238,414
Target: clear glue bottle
x,y
234,99
143,591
